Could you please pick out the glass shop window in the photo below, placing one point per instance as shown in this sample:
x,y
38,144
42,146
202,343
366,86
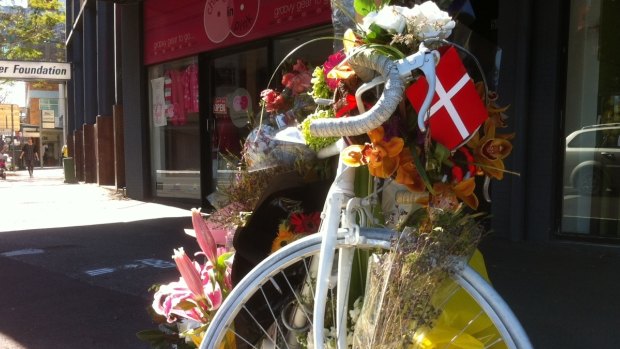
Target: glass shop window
x,y
591,181
174,130
237,80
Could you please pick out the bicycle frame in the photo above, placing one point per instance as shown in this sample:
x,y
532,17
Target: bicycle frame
x,y
337,197
334,203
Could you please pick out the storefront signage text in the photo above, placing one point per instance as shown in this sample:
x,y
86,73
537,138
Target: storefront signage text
x,y
219,106
20,70
295,7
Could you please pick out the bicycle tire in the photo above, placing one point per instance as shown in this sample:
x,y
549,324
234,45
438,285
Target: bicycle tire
x,y
263,275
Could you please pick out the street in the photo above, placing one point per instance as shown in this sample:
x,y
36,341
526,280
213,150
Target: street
x,y
77,261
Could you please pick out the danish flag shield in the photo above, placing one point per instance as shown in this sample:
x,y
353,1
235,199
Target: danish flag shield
x,y
456,110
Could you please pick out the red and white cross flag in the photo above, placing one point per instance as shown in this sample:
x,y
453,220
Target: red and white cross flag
x,y
456,110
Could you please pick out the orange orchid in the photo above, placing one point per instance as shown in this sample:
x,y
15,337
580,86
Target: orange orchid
x,y
496,113
407,173
490,151
382,157
446,194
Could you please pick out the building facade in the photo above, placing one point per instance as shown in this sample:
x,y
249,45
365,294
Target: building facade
x,y
169,78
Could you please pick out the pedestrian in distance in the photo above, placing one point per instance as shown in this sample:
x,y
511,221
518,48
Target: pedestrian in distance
x,y
29,154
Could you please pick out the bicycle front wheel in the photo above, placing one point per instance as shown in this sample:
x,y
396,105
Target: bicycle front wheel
x,y
264,309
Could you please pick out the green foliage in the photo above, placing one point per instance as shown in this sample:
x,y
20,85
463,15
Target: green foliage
x,y
159,339
363,7
317,143
33,33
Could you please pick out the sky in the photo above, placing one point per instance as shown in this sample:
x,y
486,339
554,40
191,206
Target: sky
x,y
22,3
17,94
17,91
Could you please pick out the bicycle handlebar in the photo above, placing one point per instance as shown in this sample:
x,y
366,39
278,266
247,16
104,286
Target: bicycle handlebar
x,y
395,74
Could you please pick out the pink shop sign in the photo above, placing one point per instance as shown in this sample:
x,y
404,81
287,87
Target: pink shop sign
x,y
177,29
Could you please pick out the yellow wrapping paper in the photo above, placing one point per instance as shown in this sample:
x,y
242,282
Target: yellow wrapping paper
x,y
455,316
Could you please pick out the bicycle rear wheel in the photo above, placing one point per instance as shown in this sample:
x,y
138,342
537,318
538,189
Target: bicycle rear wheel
x,y
258,311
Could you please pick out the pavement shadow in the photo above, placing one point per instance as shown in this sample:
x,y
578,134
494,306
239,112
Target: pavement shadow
x,y
85,287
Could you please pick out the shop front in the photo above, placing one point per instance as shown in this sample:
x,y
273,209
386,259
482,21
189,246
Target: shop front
x,y
207,64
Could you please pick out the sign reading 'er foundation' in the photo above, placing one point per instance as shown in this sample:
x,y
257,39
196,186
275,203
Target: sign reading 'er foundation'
x,y
22,70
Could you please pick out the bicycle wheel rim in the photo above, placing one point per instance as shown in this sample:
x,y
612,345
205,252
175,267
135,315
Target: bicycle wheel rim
x,y
511,333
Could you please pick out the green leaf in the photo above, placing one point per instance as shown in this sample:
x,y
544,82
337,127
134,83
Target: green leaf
x,y
221,260
151,336
363,7
442,154
422,171
186,305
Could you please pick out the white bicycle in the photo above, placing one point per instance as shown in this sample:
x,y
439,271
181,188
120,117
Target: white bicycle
x,y
298,291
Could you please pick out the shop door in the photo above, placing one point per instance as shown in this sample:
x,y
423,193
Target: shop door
x,y
236,81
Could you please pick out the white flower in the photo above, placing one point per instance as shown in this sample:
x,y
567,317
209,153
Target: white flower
x,y
356,311
428,21
390,18
185,325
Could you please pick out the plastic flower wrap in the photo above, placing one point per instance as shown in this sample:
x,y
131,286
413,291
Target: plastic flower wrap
x,y
258,148
293,103
263,150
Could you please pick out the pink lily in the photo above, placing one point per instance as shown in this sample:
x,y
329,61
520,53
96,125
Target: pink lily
x,y
167,299
189,273
205,292
212,288
204,237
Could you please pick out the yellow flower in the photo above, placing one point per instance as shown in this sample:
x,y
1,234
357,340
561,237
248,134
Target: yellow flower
x,y
353,155
285,237
350,41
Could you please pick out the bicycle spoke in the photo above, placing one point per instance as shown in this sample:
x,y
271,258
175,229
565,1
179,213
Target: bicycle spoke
x,y
257,323
490,345
275,321
464,329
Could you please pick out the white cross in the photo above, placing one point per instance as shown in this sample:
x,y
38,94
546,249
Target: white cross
x,y
445,100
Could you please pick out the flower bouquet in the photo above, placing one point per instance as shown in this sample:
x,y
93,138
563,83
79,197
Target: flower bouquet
x,y
446,169
184,308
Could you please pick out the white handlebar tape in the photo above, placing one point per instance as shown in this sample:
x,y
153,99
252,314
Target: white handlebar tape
x,y
375,116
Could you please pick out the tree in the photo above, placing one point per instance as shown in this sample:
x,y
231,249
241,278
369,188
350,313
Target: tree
x,y
36,32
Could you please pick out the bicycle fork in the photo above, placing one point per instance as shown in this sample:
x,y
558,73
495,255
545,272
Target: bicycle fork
x,y
335,203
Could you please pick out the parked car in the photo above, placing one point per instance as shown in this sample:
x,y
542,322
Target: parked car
x,y
592,159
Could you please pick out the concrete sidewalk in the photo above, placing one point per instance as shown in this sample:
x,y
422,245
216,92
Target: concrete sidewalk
x,y
52,203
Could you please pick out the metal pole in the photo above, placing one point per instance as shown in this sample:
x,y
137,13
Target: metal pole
x,y
41,145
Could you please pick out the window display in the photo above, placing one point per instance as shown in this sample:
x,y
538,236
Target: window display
x,y
175,133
